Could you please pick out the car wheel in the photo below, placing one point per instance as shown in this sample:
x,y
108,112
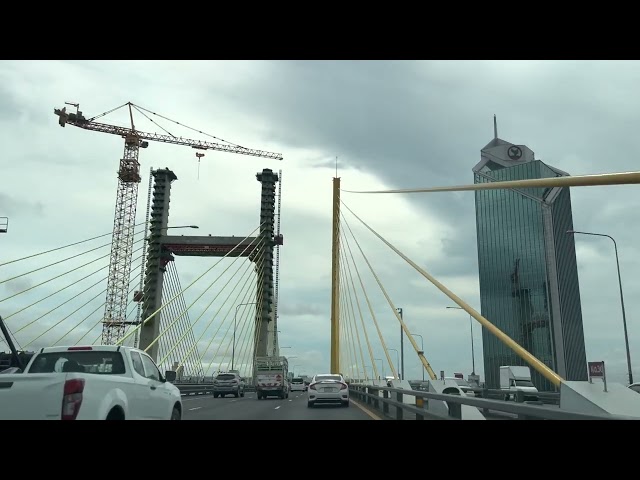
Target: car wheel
x,y
345,404
309,404
175,414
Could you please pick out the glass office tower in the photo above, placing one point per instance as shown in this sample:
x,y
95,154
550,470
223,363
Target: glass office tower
x,y
527,263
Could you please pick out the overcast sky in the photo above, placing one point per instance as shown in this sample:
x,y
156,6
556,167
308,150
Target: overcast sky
x,y
393,124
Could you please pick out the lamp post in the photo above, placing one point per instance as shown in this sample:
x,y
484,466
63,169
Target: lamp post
x,y
473,356
365,371
401,372
624,316
422,349
381,365
397,358
235,324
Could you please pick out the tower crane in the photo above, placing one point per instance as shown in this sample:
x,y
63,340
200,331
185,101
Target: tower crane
x,y
114,321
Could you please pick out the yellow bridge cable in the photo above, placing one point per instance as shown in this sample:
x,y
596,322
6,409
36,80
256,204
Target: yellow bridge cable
x,y
227,331
245,317
246,347
230,342
63,247
355,294
55,263
354,325
213,337
242,339
344,340
166,342
61,275
624,178
58,291
96,341
63,303
540,367
196,343
89,315
394,309
173,310
382,342
347,330
142,323
198,298
247,269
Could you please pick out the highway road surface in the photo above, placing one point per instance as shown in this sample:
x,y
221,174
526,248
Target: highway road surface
x,y
205,407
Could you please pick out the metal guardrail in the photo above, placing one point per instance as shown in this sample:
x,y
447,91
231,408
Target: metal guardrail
x,y
371,396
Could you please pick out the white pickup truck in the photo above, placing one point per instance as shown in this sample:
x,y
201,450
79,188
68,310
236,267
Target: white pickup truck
x,y
89,383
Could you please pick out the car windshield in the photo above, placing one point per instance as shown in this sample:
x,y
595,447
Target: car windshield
x,y
462,382
225,376
328,378
82,361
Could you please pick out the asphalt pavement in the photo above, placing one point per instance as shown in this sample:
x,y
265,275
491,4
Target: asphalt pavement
x,y
205,407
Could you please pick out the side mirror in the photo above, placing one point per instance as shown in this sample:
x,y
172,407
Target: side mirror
x,y
170,376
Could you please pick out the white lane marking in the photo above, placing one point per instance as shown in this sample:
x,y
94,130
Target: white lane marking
x,y
292,400
277,407
195,408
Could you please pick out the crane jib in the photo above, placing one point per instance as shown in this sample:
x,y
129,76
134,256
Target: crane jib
x,y
80,121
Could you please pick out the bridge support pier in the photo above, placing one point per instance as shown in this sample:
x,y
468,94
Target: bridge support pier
x,y
157,259
335,280
264,266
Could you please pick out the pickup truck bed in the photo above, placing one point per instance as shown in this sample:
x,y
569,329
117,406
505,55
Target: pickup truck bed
x,y
89,383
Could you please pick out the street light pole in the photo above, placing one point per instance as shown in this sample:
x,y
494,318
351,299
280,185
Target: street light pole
x,y
401,345
473,355
381,365
624,316
235,324
421,348
397,359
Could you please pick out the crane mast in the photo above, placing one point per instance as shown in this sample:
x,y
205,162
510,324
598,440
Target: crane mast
x,y
114,321
115,313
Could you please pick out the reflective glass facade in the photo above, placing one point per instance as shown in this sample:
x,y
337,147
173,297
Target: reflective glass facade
x,y
528,273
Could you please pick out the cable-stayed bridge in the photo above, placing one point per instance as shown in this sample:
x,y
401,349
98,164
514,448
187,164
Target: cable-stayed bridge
x,y
64,296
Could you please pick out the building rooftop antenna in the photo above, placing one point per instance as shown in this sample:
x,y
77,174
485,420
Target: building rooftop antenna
x,y
495,126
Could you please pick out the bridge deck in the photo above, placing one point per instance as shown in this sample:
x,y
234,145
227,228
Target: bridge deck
x,y
205,407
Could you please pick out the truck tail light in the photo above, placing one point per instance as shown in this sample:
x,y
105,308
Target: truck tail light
x,y
72,398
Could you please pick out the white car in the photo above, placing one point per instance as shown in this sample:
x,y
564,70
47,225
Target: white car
x,y
297,385
328,388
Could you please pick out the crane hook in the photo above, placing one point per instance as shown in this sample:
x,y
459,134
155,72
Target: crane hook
x,y
199,156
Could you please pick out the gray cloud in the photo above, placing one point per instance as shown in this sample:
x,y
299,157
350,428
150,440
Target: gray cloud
x,y
408,123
